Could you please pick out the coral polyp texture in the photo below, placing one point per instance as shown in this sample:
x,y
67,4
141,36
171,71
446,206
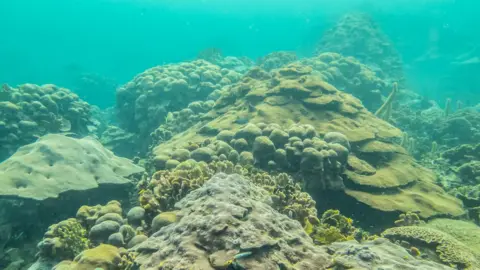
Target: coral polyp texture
x,y
144,102
30,111
292,121
357,35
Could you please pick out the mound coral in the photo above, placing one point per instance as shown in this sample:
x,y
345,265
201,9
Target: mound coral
x,y
144,102
296,110
350,75
101,227
357,35
276,60
31,111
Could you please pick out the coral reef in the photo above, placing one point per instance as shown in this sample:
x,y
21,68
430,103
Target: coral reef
x,y
376,254
56,164
55,175
230,223
144,102
276,60
465,232
357,35
178,121
293,100
31,111
120,142
449,250
351,76
94,230
64,240
101,257
236,217
215,56
167,187
332,227
296,149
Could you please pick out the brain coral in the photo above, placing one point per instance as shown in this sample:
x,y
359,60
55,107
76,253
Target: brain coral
x,y
30,111
144,102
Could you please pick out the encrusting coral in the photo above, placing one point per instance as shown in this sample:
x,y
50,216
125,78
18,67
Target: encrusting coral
x,y
449,250
167,187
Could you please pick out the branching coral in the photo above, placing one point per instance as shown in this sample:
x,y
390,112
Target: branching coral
x,y
64,240
409,219
332,227
165,188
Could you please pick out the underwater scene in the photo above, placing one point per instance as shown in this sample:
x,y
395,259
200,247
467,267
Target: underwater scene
x,y
239,135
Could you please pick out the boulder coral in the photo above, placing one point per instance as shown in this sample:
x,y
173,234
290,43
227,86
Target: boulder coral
x,y
55,175
94,230
378,173
358,35
276,60
348,74
30,111
143,103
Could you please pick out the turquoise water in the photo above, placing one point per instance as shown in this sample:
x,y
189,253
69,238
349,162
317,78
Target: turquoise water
x,y
53,41
353,116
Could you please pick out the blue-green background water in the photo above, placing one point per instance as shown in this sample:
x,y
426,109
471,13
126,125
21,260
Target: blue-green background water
x,y
55,41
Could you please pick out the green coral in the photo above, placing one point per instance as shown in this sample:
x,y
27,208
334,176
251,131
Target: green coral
x,y
449,250
64,240
166,187
287,196
408,219
332,227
